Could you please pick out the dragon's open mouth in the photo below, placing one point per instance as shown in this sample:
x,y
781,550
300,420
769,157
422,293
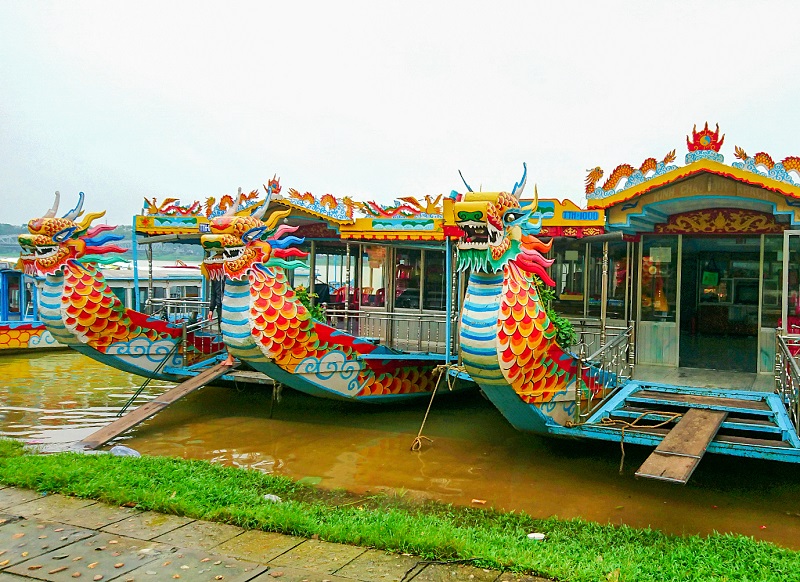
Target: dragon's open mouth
x,y
38,252
478,235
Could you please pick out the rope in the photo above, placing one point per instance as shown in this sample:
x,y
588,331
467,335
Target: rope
x,y
442,369
606,421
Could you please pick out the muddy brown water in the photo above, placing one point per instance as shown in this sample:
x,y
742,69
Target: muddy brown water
x,y
475,454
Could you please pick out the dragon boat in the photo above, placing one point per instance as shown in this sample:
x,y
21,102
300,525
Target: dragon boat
x,y
80,309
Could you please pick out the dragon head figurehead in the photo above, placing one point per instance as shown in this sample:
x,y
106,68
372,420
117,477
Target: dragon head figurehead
x,y
51,241
237,243
494,229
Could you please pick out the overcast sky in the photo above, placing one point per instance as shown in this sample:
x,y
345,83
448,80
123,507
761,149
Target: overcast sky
x,y
374,99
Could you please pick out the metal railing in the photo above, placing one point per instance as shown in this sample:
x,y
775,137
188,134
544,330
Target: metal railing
x,y
417,332
605,370
787,375
177,309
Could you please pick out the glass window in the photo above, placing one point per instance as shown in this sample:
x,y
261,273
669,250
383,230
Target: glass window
x,y
773,283
373,265
567,272
434,289
408,268
659,278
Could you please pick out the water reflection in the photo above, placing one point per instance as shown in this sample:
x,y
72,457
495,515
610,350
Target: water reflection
x,y
475,454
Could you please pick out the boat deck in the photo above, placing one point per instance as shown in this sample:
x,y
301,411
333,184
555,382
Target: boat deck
x,y
702,378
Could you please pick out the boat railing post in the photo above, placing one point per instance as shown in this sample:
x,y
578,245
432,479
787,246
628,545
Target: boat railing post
x,y
777,365
183,341
580,365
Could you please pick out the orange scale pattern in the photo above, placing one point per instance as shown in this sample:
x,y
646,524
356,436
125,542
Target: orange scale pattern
x,y
92,310
286,332
525,338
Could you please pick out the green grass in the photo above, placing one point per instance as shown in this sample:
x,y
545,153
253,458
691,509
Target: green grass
x,y
574,550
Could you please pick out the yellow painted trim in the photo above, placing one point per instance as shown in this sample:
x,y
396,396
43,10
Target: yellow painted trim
x,y
691,170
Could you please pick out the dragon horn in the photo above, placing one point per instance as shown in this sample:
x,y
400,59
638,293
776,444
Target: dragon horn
x,y
465,182
235,206
535,197
76,212
261,211
520,186
52,212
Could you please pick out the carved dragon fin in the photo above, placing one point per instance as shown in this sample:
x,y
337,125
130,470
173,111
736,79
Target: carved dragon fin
x,y
76,212
53,209
465,182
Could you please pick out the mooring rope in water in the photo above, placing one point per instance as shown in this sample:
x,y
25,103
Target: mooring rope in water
x,y
606,421
442,369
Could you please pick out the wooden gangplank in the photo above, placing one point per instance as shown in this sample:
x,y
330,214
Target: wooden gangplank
x,y
142,413
678,455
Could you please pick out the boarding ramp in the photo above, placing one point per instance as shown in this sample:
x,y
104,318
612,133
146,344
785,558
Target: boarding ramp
x,y
142,413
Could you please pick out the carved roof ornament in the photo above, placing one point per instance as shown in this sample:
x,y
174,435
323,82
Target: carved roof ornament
x,y
705,144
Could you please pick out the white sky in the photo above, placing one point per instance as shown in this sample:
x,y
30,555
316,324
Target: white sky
x,y
374,99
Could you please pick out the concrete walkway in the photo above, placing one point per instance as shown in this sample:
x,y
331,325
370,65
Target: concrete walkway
x,y
54,537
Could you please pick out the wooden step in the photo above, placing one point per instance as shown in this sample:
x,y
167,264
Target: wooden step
x,y
678,455
738,405
758,425
142,413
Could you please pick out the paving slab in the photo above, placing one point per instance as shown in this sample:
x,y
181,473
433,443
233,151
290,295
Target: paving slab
x,y
11,496
258,546
284,574
455,573
200,534
51,507
23,540
97,515
196,567
319,556
378,565
100,557
146,525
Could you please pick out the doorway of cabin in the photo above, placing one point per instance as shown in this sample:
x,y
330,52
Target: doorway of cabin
x,y
719,302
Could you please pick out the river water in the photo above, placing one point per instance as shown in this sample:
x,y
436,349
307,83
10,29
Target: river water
x,y
61,397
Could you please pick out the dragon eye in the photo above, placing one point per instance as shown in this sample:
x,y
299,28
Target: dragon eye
x,y
511,217
64,234
253,233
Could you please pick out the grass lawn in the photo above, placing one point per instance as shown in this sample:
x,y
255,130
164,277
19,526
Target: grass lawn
x,y
573,550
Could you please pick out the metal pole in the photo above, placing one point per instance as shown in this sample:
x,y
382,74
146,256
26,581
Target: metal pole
x,y
312,267
135,253
448,329
149,279
347,288
604,296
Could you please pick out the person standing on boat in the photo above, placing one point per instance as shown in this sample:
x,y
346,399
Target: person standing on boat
x,y
215,299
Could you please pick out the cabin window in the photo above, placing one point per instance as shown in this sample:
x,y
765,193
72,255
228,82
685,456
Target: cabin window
x,y
408,268
568,274
659,278
772,291
12,298
373,269
434,289
617,279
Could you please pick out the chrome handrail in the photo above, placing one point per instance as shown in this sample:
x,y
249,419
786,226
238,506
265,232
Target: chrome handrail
x,y
611,365
423,331
787,375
